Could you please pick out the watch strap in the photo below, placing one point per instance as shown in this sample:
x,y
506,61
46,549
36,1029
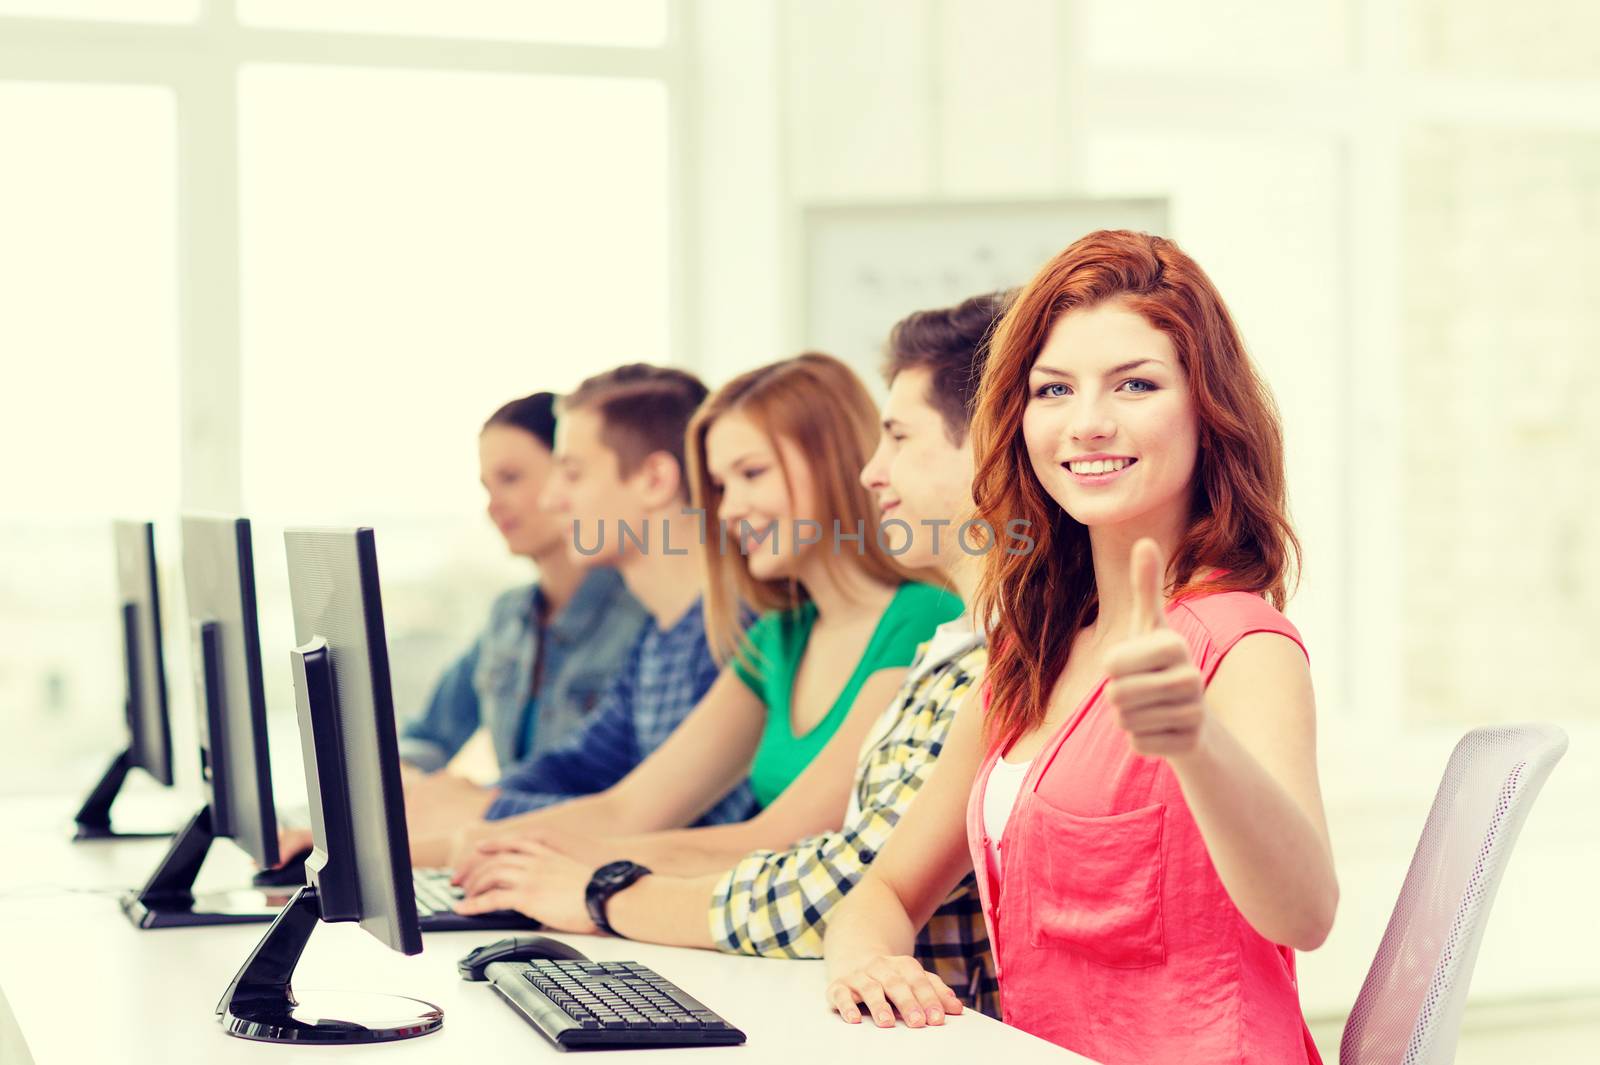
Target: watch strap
x,y
606,882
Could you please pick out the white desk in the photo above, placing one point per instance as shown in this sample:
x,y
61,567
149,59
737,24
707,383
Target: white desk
x,y
83,985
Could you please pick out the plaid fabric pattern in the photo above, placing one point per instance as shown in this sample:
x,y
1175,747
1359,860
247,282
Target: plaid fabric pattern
x,y
664,678
776,903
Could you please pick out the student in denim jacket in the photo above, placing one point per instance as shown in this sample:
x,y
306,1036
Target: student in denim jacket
x,y
550,648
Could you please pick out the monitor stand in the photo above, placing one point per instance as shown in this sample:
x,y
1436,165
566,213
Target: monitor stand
x,y
94,816
261,1005
167,899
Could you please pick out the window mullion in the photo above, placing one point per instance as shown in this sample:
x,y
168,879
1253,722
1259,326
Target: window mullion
x,y
208,287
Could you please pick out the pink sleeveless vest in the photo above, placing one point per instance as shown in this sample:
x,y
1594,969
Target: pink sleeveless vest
x,y
1112,934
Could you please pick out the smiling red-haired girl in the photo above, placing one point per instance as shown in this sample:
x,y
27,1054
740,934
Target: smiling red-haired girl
x,y
1140,794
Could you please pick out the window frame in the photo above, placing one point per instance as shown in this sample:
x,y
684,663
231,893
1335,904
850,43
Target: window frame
x,y
200,62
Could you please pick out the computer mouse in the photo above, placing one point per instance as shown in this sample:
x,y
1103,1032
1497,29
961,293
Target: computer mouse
x,y
516,948
291,873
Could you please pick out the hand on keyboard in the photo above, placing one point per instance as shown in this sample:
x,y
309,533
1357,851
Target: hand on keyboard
x,y
531,879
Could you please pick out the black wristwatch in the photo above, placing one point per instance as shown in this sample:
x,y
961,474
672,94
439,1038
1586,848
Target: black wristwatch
x,y
606,882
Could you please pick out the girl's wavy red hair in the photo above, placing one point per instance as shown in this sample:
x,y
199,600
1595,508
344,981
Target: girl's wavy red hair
x,y
1239,537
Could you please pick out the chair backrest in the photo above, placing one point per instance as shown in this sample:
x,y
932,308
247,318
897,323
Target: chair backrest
x,y
1409,1010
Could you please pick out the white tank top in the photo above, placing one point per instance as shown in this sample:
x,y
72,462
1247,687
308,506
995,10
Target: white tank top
x,y
1005,784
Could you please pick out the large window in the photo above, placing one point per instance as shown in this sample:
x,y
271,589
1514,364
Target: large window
x,y
89,409
282,259
419,247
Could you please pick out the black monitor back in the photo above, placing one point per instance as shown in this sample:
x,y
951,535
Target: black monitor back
x,y
219,582
150,737
360,863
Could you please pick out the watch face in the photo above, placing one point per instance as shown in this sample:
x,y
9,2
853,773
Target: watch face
x,y
614,873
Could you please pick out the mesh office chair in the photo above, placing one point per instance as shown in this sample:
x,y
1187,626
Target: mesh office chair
x,y
1409,1010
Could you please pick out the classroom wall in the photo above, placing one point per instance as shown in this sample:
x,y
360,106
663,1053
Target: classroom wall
x,y
1335,167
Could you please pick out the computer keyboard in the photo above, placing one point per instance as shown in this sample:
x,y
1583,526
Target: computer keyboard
x,y
587,1004
436,901
434,892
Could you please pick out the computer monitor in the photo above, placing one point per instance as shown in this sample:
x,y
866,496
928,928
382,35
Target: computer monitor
x,y
235,765
219,583
145,700
359,869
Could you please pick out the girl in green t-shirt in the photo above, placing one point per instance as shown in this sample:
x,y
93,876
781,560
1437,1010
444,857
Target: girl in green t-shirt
x,y
775,459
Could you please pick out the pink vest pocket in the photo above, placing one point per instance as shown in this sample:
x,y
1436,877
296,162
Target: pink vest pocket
x,y
1094,882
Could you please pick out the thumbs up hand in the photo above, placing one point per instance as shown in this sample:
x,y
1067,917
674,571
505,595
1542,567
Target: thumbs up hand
x,y
1155,688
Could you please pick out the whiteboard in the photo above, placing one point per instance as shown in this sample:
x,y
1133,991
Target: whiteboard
x,y
867,266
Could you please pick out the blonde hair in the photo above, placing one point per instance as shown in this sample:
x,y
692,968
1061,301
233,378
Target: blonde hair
x,y
816,403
